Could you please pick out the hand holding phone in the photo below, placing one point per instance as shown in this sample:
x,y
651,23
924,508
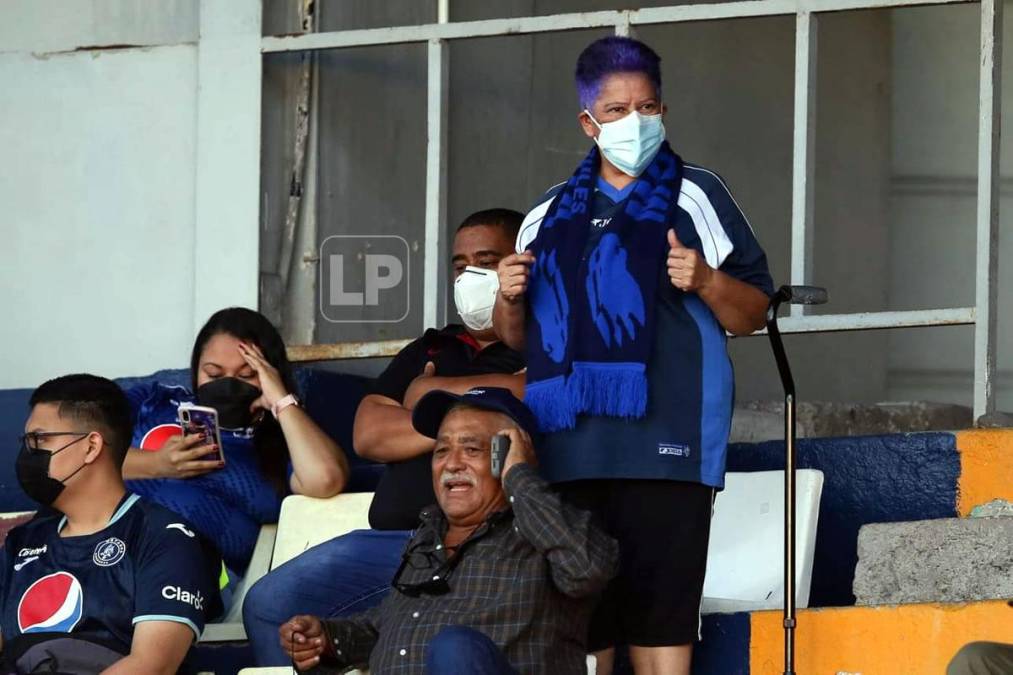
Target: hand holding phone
x,y
500,448
202,420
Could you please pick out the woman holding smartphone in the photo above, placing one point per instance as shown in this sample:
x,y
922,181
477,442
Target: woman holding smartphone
x,y
270,446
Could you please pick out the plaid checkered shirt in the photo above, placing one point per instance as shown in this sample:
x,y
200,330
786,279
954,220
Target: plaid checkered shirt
x,y
527,577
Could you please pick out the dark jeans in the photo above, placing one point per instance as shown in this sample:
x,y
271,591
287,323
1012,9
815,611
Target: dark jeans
x,y
340,577
459,650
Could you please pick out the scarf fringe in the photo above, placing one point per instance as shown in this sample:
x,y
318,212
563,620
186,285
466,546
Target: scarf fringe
x,y
602,390
612,390
549,401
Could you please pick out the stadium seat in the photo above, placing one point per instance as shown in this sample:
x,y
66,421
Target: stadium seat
x,y
306,522
8,521
230,627
745,559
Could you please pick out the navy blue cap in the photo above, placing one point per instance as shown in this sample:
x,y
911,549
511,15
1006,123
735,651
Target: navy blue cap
x,y
432,408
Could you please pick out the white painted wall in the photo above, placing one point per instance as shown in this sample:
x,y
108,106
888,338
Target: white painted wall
x,y
100,226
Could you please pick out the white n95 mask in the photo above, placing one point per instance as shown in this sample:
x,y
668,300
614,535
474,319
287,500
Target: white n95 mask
x,y
475,294
630,143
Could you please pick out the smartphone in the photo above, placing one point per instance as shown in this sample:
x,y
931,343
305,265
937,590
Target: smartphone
x,y
500,448
198,419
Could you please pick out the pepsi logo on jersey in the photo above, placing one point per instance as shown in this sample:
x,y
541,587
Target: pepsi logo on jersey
x,y
156,437
53,603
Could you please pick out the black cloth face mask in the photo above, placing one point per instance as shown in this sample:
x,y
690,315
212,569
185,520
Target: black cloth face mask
x,y
32,468
232,398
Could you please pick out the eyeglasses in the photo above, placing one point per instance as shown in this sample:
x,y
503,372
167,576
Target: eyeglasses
x,y
419,559
32,439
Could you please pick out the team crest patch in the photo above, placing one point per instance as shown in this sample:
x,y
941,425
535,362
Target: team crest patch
x,y
109,552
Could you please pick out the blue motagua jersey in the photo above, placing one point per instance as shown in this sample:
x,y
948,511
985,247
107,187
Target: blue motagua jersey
x,y
227,505
147,564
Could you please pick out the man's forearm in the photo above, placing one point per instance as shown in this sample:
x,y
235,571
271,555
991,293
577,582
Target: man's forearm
x,y
384,433
739,307
581,557
508,321
459,385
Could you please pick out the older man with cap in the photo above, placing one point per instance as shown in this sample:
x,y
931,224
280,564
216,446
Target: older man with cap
x,y
501,577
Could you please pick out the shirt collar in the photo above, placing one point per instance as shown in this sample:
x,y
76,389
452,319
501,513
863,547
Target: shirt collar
x,y
128,500
612,193
434,522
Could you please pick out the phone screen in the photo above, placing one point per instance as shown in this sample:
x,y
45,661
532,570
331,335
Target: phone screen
x,y
201,420
499,450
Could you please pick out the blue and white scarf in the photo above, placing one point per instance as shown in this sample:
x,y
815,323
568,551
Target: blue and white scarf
x,y
590,324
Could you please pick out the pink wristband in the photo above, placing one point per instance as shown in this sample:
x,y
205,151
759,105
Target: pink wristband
x,y
283,403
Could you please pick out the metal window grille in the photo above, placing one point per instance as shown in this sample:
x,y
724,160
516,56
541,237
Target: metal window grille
x,y
982,314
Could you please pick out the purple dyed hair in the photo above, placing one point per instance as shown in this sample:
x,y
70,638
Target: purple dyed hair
x,y
613,55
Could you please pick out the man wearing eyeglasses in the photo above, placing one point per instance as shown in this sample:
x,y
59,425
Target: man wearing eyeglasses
x,y
105,582
499,578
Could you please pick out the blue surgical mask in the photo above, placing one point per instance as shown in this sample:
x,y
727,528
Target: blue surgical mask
x,y
632,142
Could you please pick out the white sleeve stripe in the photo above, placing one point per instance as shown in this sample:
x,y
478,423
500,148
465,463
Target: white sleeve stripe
x,y
531,224
168,617
694,201
727,192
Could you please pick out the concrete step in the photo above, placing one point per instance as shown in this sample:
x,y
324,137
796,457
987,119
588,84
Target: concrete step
x,y
944,560
758,421
884,640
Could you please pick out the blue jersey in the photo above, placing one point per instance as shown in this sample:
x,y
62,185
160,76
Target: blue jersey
x,y
684,434
226,505
147,564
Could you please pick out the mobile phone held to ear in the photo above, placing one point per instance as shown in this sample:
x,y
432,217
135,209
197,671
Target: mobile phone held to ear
x,y
500,448
198,419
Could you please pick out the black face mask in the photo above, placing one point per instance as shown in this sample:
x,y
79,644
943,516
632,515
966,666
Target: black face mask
x,y
32,468
232,398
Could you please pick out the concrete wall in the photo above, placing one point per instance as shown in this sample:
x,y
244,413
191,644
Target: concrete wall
x,y
98,192
109,260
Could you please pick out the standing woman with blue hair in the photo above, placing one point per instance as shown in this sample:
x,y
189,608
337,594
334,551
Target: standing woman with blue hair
x,y
625,281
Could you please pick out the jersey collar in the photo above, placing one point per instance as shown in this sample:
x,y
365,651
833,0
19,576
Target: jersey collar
x,y
612,193
129,500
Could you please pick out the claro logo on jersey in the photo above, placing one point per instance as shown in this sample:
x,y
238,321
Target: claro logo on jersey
x,y
195,600
53,604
